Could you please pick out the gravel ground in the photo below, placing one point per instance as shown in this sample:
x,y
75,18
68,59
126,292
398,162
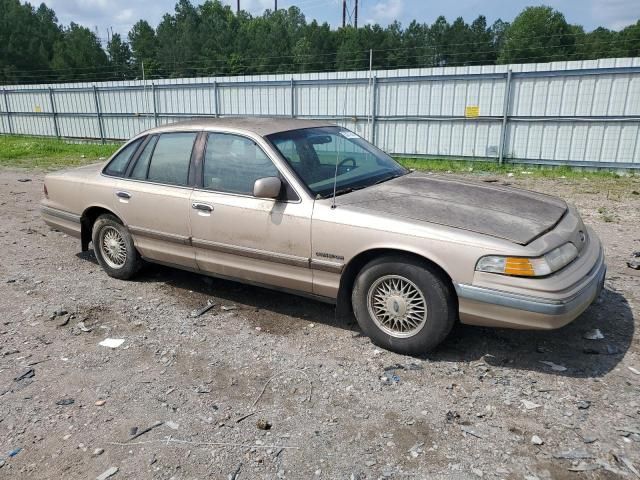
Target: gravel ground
x,y
483,405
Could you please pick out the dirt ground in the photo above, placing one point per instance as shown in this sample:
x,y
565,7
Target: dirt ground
x,y
483,405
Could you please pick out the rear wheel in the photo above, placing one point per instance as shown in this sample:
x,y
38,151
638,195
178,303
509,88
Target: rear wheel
x,y
402,305
114,248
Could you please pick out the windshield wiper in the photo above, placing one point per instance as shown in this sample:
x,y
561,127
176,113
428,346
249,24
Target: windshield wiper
x,y
386,179
342,191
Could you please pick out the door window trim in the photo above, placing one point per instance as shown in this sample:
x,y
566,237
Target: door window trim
x,y
199,182
152,138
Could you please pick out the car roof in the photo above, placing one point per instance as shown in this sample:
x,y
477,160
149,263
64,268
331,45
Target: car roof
x,y
259,125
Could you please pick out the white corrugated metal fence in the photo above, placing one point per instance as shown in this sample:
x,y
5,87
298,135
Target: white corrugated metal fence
x,y
584,113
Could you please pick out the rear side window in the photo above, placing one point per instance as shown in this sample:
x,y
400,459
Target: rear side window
x,y
118,165
171,158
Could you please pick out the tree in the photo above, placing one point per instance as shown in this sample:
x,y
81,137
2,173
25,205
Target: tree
x,y
630,41
313,50
482,49
212,39
26,38
538,34
498,33
350,54
119,57
220,40
78,55
415,40
144,47
439,38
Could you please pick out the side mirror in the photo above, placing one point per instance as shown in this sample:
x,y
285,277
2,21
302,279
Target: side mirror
x,y
268,187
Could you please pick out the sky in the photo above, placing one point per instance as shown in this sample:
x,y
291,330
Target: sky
x,y
120,15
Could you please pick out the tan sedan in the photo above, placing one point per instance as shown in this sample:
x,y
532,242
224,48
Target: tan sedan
x,y
313,209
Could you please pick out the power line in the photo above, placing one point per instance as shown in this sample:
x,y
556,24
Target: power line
x,y
355,64
208,63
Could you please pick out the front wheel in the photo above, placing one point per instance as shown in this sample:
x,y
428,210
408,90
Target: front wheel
x,y
402,305
114,248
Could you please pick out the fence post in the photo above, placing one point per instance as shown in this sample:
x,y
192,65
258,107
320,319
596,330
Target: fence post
x,y
155,108
98,113
293,99
215,99
8,112
54,113
374,96
505,117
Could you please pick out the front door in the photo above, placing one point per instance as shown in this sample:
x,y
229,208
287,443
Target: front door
x,y
237,235
154,199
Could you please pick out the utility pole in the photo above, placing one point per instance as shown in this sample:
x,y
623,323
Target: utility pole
x,y
276,7
238,8
344,13
355,23
348,12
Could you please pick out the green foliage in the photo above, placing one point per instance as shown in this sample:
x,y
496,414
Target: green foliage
x,y
28,152
212,39
23,151
27,37
539,34
144,46
439,165
78,54
119,57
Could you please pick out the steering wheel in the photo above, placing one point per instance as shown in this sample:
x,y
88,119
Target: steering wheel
x,y
346,160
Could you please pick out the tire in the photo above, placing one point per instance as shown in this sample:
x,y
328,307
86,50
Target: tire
x,y
114,248
403,305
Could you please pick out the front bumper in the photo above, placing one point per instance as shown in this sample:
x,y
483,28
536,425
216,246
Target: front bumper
x,y
500,308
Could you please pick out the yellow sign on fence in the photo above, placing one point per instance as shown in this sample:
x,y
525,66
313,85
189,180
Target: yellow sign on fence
x,y
37,109
472,111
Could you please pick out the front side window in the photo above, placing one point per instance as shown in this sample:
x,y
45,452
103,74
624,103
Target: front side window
x,y
320,155
118,165
233,163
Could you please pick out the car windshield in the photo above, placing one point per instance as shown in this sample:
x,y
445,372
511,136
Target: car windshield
x,y
318,154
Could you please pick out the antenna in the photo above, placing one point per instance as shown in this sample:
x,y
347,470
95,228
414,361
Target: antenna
x,y
344,114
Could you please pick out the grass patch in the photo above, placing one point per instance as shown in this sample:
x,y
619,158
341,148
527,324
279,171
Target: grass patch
x,y
488,168
50,153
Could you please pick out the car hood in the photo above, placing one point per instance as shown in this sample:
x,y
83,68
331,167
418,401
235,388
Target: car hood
x,y
519,216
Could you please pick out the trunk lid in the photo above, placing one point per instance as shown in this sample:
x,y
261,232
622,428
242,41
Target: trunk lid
x,y
519,216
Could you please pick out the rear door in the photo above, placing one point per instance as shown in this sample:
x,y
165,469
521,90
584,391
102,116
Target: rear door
x,y
237,235
153,198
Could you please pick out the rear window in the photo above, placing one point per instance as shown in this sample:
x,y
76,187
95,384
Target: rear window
x,y
118,165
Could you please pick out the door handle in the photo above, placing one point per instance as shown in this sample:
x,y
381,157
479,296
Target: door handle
x,y
204,207
126,195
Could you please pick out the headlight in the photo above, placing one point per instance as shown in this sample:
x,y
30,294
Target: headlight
x,y
527,266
